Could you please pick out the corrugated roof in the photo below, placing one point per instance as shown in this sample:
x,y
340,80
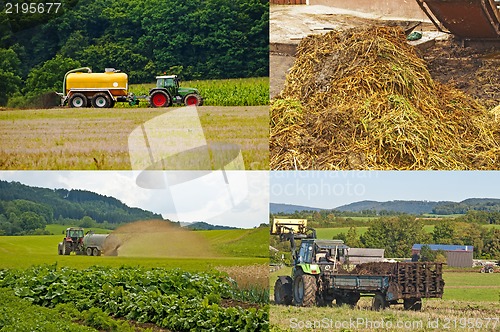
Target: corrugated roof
x,y
445,247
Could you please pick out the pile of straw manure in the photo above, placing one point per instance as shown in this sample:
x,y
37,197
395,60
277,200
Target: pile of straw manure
x,y
363,99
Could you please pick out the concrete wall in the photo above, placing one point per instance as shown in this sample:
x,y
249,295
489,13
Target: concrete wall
x,y
394,8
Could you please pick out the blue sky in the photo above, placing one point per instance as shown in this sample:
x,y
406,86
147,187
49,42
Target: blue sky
x,y
201,198
325,189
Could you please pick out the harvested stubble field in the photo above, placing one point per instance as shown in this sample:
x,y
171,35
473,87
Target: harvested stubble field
x,y
89,139
363,99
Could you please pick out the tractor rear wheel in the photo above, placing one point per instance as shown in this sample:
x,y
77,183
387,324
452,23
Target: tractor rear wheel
x,y
66,248
101,100
78,100
192,99
304,290
159,99
283,293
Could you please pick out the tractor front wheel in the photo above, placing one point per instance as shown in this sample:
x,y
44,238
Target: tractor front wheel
x,y
78,100
101,100
159,99
192,99
304,290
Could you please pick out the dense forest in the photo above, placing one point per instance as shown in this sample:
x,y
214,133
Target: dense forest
x,y
196,39
26,210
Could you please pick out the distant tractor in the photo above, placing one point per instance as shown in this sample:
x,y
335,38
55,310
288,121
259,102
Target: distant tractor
x,y
83,88
90,244
168,92
320,274
489,268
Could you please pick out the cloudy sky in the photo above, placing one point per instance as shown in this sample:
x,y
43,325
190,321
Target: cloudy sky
x,y
332,189
233,198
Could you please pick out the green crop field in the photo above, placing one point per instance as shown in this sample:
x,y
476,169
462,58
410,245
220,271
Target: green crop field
x,y
149,282
469,297
229,92
89,139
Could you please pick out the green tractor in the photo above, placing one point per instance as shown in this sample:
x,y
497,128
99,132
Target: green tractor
x,y
168,92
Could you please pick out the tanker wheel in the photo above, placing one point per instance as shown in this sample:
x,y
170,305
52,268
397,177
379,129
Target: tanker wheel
x,y
379,302
192,99
304,290
101,100
490,270
78,100
89,251
414,304
283,293
96,252
160,99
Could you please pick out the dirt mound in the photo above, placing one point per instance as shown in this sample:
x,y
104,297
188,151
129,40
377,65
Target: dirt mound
x,y
159,239
363,99
375,268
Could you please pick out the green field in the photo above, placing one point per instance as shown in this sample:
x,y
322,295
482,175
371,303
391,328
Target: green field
x,y
228,248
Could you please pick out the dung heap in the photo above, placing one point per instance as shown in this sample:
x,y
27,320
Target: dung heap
x,y
363,99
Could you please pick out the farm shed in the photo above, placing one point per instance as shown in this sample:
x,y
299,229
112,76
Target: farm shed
x,y
456,255
365,255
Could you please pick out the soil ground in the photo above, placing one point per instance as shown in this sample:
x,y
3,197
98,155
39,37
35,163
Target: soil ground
x,y
476,72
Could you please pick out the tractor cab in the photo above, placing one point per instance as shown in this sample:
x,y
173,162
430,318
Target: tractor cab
x,y
321,252
75,234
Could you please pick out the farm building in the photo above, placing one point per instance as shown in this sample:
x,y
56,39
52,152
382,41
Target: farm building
x,y
456,255
365,255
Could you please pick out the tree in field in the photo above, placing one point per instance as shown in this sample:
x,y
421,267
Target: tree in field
x,y
444,233
49,76
9,74
396,235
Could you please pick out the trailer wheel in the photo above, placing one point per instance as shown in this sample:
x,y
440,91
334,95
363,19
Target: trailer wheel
x,y
192,99
304,290
379,302
78,100
283,293
159,99
89,251
101,100
412,304
490,270
96,252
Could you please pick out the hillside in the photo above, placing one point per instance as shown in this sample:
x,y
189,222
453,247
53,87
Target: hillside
x,y
410,207
201,225
289,208
24,209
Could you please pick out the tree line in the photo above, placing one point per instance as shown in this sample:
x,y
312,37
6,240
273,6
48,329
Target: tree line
x,y
196,39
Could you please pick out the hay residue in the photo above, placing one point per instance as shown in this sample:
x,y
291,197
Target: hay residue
x,y
363,99
158,238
